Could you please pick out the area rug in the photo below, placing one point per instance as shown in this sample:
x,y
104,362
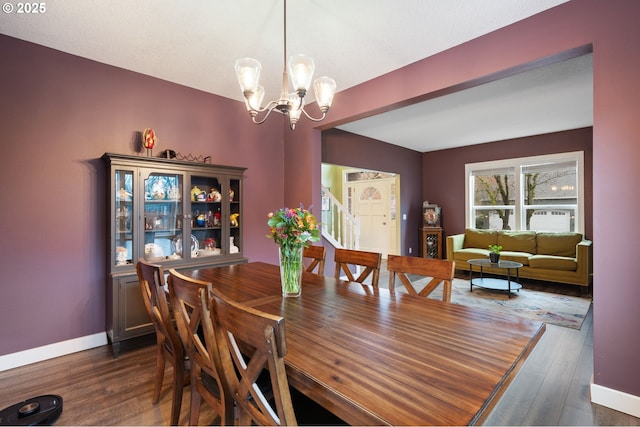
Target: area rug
x,y
551,308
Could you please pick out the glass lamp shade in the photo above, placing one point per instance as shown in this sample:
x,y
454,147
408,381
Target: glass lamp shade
x,y
301,68
248,73
254,99
325,89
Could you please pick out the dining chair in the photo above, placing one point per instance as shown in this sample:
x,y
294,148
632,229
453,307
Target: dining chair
x,y
252,343
440,271
169,346
317,255
344,258
197,334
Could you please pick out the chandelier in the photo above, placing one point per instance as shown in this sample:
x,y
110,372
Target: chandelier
x,y
290,104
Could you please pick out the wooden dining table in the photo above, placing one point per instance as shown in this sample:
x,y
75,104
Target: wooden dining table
x,y
375,357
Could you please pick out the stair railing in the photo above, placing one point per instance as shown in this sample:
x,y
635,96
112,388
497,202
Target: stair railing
x,y
339,227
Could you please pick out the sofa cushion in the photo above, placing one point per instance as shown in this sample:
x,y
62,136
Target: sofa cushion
x,y
518,241
558,244
475,253
481,239
551,262
470,253
521,257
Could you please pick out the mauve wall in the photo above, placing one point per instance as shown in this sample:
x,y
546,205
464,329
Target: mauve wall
x,y
612,29
444,170
58,114
344,148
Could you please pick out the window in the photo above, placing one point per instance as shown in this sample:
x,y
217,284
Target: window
x,y
370,193
542,193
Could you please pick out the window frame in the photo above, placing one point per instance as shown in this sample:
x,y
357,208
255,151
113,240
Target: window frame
x,y
517,165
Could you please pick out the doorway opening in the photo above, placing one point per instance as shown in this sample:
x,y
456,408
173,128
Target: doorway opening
x,y
372,197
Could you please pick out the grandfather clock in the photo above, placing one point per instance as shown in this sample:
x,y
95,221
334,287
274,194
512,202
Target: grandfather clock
x,y
431,232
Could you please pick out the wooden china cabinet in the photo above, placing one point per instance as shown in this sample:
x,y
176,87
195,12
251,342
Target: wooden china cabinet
x,y
175,213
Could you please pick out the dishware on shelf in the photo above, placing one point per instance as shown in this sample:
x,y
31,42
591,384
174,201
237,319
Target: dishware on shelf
x,y
121,255
153,252
208,252
176,244
233,249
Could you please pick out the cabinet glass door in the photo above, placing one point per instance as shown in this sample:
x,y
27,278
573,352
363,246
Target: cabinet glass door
x,y
123,232
234,215
163,216
206,215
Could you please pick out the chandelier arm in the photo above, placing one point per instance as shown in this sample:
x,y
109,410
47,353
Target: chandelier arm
x,y
324,114
270,106
268,110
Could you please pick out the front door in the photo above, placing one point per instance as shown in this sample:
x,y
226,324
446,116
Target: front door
x,y
372,204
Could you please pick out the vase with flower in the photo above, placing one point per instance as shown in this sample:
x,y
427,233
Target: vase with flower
x,y
292,229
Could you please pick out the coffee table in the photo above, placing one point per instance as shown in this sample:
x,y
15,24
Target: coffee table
x,y
492,283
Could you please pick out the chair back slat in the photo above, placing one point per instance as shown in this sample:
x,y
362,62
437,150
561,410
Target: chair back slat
x,y
345,258
256,344
151,278
317,256
441,271
169,345
198,336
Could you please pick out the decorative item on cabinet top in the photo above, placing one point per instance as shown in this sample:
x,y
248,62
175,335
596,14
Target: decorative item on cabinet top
x,y
172,154
149,140
431,215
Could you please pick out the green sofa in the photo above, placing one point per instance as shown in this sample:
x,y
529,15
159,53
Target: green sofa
x,y
554,257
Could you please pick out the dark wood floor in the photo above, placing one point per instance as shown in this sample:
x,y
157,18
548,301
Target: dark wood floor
x,y
552,388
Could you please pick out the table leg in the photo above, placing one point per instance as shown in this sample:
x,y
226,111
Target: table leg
x,y
509,282
471,277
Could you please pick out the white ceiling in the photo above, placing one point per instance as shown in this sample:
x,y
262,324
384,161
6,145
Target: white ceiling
x,y
549,99
196,42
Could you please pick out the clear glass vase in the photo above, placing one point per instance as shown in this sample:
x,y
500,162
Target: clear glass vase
x,y
291,270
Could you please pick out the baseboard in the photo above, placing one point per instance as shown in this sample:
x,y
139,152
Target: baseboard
x,y
616,400
38,354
